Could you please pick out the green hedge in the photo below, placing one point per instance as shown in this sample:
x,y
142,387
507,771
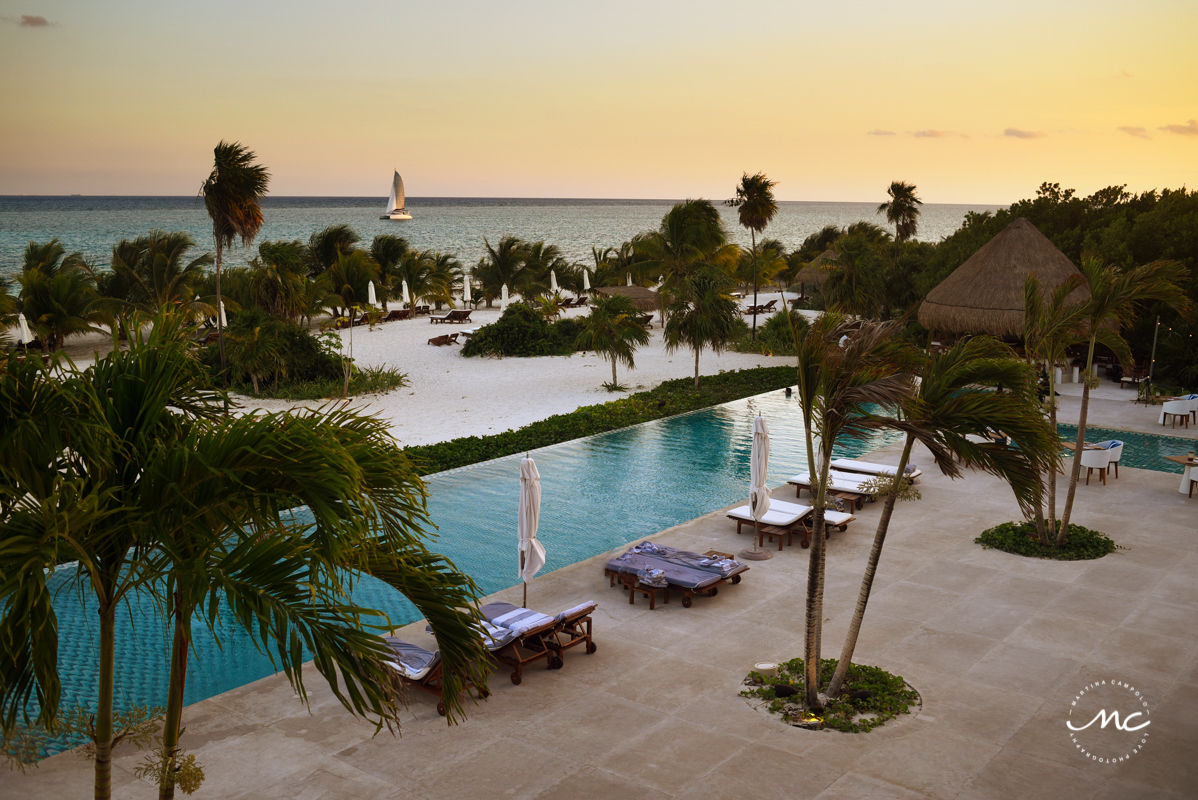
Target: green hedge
x,y
671,397
523,331
1019,538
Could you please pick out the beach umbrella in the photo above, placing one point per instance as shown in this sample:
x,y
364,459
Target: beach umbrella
x,y
759,490
532,554
404,289
552,282
985,294
503,298
586,280
23,329
224,322
629,283
466,289
370,297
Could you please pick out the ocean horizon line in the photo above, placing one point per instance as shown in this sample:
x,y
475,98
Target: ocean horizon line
x,y
443,198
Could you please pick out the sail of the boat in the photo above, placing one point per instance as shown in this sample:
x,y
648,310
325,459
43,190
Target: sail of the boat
x,y
397,191
395,184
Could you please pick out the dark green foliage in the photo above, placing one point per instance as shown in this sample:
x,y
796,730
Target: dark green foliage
x,y
889,696
304,357
774,338
523,331
1020,538
668,399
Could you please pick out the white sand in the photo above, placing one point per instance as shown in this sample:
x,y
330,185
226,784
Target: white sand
x,y
450,396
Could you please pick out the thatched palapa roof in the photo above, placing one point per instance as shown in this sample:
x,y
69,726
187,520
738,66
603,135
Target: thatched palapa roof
x,y
644,299
985,294
815,273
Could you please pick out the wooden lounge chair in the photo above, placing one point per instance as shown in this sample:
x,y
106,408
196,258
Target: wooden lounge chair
x,y
448,338
531,632
870,468
689,573
421,668
419,310
581,302
845,485
784,520
397,314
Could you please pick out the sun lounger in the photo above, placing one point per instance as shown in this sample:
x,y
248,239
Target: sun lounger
x,y
448,338
785,520
418,667
531,631
422,310
457,315
571,627
869,468
397,313
845,485
639,571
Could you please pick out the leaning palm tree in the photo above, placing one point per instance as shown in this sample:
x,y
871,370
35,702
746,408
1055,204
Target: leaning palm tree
x,y
232,195
902,210
155,272
1114,297
701,314
502,265
613,330
326,244
756,208
388,250
349,277
278,278
954,397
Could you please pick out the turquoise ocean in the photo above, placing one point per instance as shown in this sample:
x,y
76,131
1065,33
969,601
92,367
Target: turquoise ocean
x,y
92,225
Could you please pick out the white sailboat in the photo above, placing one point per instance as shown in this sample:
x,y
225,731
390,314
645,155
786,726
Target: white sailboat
x,y
396,202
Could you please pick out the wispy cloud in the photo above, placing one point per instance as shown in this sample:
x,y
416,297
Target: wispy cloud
x,y
30,21
932,134
1189,129
880,132
1126,74
1016,133
1132,130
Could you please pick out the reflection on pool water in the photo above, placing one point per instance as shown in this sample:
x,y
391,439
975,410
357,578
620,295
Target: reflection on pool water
x,y
597,493
1140,450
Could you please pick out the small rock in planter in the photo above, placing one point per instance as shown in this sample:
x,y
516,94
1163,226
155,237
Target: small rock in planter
x,y
864,694
785,690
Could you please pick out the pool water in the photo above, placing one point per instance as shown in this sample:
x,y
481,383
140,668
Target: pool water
x,y
1140,450
598,493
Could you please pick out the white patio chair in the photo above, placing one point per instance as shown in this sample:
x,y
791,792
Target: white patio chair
x,y
1193,401
1175,409
1115,448
1096,460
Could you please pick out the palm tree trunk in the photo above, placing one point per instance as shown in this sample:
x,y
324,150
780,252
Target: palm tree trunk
x,y
867,580
103,724
613,370
1052,482
753,237
696,368
220,329
254,380
174,698
1063,533
815,587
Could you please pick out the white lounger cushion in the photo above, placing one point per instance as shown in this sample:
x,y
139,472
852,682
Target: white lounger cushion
x,y
523,620
840,481
413,661
780,513
869,468
579,610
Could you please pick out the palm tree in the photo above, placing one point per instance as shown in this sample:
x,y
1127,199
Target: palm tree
x,y
349,277
255,352
613,331
501,265
446,274
690,236
59,303
388,250
1114,297
153,272
232,195
701,314
902,211
279,275
855,282
947,404
756,208
91,465
326,244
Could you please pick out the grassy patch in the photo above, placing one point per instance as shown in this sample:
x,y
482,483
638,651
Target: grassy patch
x,y
671,397
870,696
366,380
1020,538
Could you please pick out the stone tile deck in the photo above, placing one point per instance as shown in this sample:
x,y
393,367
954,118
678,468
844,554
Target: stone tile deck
x,y
996,644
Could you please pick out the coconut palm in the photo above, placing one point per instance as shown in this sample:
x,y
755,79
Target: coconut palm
x,y
756,208
388,250
902,210
538,261
690,236
613,330
1114,297
701,314
446,274
59,303
501,265
326,244
48,258
255,352
153,271
948,403
91,465
348,279
232,195
855,282
278,278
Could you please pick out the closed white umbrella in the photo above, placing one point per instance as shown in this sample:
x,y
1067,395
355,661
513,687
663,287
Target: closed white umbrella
x,y
759,491
404,288
586,280
23,329
370,298
532,554
552,282
224,322
466,289
503,298
630,279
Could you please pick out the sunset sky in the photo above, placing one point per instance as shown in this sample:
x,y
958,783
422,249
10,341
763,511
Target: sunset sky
x,y
973,102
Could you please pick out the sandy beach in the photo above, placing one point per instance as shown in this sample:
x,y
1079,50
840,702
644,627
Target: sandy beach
x,y
448,396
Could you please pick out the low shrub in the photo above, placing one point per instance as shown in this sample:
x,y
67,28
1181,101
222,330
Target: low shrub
x,y
523,331
365,380
870,696
668,399
1020,538
774,337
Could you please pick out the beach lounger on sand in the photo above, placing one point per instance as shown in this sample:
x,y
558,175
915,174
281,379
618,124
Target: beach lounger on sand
x,y
648,567
869,468
457,315
448,338
397,313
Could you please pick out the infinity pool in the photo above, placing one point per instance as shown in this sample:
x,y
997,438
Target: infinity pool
x,y
597,494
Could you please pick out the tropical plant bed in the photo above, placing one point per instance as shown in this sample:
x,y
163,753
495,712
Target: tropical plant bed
x,y
365,380
869,698
1019,538
666,400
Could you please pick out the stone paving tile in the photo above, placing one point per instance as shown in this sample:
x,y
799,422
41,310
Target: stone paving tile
x,y
942,651
1092,605
509,767
1060,635
983,711
1012,774
952,576
672,755
591,782
935,762
1016,590
1142,657
855,786
590,727
763,772
1022,669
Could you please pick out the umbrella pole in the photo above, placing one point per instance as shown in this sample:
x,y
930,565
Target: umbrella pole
x,y
754,554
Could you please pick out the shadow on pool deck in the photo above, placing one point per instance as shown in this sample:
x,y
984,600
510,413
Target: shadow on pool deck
x,y
996,644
